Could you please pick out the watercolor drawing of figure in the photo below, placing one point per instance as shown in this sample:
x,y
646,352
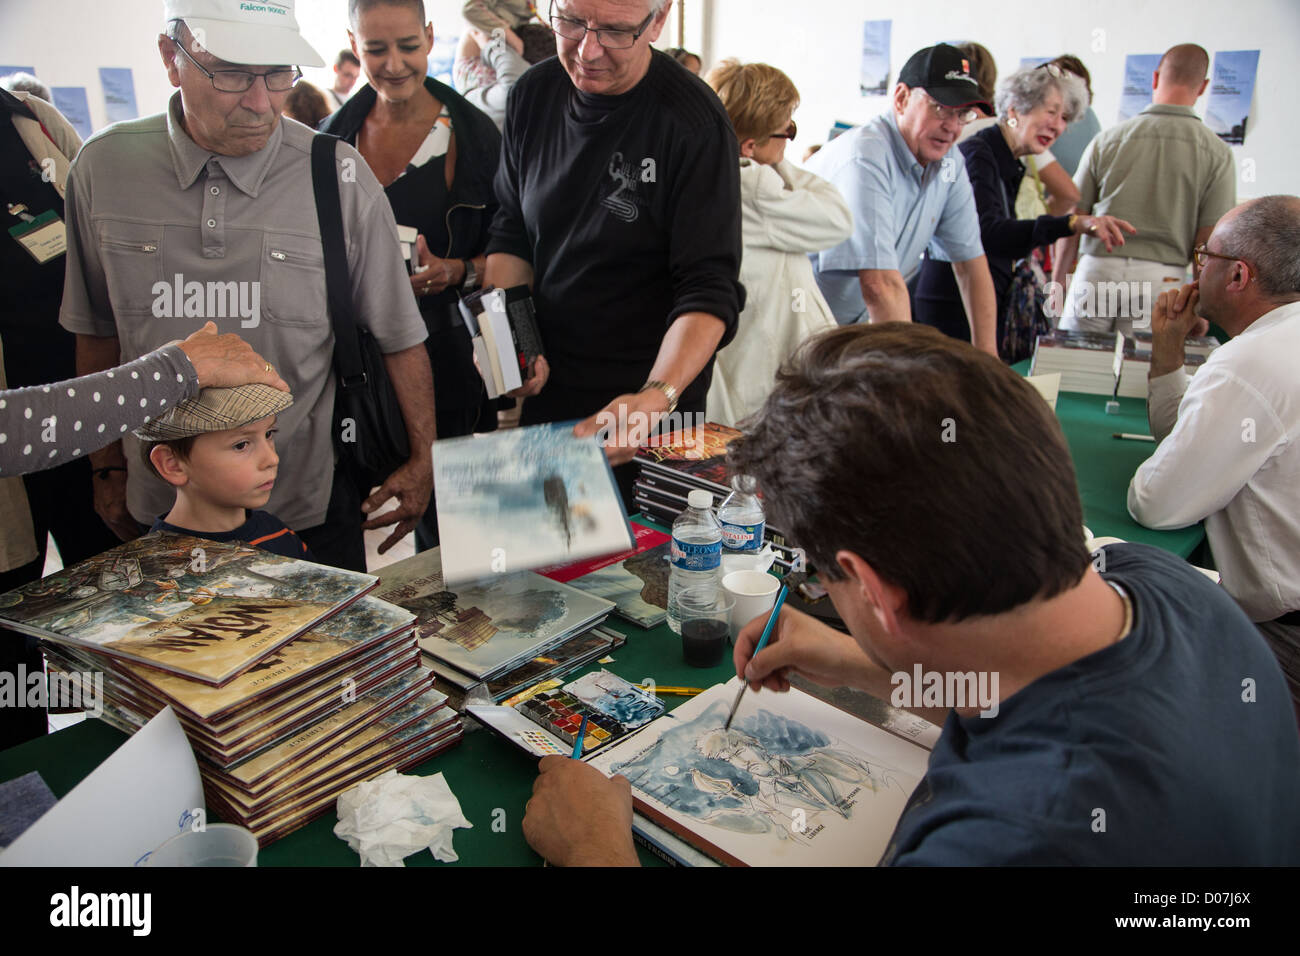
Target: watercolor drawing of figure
x,y
753,777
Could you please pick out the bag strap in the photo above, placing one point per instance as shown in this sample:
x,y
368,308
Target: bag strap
x,y
329,213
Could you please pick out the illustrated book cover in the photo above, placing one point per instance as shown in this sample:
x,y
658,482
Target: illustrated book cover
x,y
636,580
522,498
206,609
491,625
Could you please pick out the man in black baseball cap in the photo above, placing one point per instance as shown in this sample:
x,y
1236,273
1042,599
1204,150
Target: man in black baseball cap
x,y
944,73
907,185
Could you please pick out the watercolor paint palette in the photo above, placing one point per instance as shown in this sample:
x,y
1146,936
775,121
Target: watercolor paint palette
x,y
547,718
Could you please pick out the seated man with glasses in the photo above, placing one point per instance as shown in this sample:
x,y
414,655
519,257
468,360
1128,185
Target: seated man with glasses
x,y
1229,452
907,186
620,207
207,212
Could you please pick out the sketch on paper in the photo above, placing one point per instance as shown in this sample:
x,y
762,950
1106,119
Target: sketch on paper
x,y
794,781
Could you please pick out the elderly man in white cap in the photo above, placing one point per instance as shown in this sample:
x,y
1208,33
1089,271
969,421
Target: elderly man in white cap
x,y
207,211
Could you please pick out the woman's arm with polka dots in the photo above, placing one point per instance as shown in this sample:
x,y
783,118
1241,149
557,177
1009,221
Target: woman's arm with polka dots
x,y
46,425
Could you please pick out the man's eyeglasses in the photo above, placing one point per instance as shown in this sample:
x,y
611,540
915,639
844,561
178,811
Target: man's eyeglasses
x,y
789,133
1200,255
609,39
962,114
239,81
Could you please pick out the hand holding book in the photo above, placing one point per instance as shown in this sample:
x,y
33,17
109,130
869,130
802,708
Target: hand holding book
x,y
630,420
536,380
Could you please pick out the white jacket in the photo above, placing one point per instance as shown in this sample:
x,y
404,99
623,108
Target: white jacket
x,y
787,213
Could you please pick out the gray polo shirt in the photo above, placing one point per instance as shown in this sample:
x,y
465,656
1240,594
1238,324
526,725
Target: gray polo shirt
x,y
163,235
1166,173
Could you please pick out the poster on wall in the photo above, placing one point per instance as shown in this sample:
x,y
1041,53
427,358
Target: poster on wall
x,y
1029,62
1136,95
119,93
7,70
72,103
1231,88
875,58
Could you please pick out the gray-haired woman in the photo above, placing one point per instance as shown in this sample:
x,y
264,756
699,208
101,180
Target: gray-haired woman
x,y
1034,106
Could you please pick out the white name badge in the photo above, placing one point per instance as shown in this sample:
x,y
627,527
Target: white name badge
x,y
44,238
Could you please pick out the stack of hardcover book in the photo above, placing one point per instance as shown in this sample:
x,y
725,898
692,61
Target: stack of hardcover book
x,y
1086,360
291,684
503,332
500,633
673,465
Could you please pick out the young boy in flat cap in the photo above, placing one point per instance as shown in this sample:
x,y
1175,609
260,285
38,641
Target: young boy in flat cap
x,y
218,451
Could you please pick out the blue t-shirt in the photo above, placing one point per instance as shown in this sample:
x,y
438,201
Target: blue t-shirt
x,y
900,208
1149,752
262,530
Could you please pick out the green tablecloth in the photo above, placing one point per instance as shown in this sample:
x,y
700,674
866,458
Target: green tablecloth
x,y
488,774
1104,466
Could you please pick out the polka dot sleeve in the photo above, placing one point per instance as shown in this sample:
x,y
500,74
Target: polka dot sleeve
x,y
47,425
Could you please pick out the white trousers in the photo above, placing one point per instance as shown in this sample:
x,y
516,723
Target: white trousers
x,y
1112,293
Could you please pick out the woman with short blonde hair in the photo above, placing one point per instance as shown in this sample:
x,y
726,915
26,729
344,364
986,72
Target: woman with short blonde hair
x,y
786,213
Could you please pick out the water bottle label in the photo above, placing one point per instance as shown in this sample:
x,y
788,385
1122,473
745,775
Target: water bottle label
x,y
697,557
742,537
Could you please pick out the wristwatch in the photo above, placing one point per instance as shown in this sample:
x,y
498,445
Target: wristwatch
x,y
671,393
471,276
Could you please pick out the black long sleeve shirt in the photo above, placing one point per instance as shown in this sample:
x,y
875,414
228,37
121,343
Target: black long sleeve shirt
x,y
628,209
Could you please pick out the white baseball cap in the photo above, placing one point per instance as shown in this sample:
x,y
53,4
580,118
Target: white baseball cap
x,y
249,32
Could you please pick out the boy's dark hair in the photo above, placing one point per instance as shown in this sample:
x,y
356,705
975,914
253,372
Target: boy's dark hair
x,y
180,447
539,41
934,462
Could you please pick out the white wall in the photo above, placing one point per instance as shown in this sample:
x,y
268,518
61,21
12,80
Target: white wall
x,y
817,42
820,49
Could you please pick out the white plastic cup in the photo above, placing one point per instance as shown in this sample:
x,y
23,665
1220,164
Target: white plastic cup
x,y
218,844
754,593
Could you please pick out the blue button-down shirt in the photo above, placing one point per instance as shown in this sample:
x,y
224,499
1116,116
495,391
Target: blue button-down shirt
x,y
899,208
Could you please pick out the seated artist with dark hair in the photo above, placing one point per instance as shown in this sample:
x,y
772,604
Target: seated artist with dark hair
x,y
1141,719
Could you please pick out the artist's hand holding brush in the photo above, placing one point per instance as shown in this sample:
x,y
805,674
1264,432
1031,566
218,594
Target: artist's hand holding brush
x,y
579,817
803,645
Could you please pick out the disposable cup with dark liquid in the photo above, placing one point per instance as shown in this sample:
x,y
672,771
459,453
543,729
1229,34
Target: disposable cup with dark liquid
x,y
704,614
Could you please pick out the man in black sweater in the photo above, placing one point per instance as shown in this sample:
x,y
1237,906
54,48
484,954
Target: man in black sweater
x,y
620,207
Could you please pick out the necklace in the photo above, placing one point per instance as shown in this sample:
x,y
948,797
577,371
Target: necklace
x,y
1128,611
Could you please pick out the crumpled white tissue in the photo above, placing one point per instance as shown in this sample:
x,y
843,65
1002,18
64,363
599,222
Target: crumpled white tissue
x,y
386,819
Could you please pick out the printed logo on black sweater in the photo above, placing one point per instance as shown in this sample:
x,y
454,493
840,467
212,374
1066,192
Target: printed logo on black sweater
x,y
622,202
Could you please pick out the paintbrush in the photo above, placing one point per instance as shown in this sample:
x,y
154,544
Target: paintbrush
x,y
582,738
762,642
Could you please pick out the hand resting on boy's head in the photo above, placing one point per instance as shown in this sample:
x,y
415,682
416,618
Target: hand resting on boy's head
x,y
226,360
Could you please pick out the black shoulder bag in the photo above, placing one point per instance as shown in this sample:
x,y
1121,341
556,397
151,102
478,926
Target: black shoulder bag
x,y
368,426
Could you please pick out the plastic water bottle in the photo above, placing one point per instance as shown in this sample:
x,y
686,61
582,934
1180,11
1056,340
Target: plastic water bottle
x,y
696,550
741,516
